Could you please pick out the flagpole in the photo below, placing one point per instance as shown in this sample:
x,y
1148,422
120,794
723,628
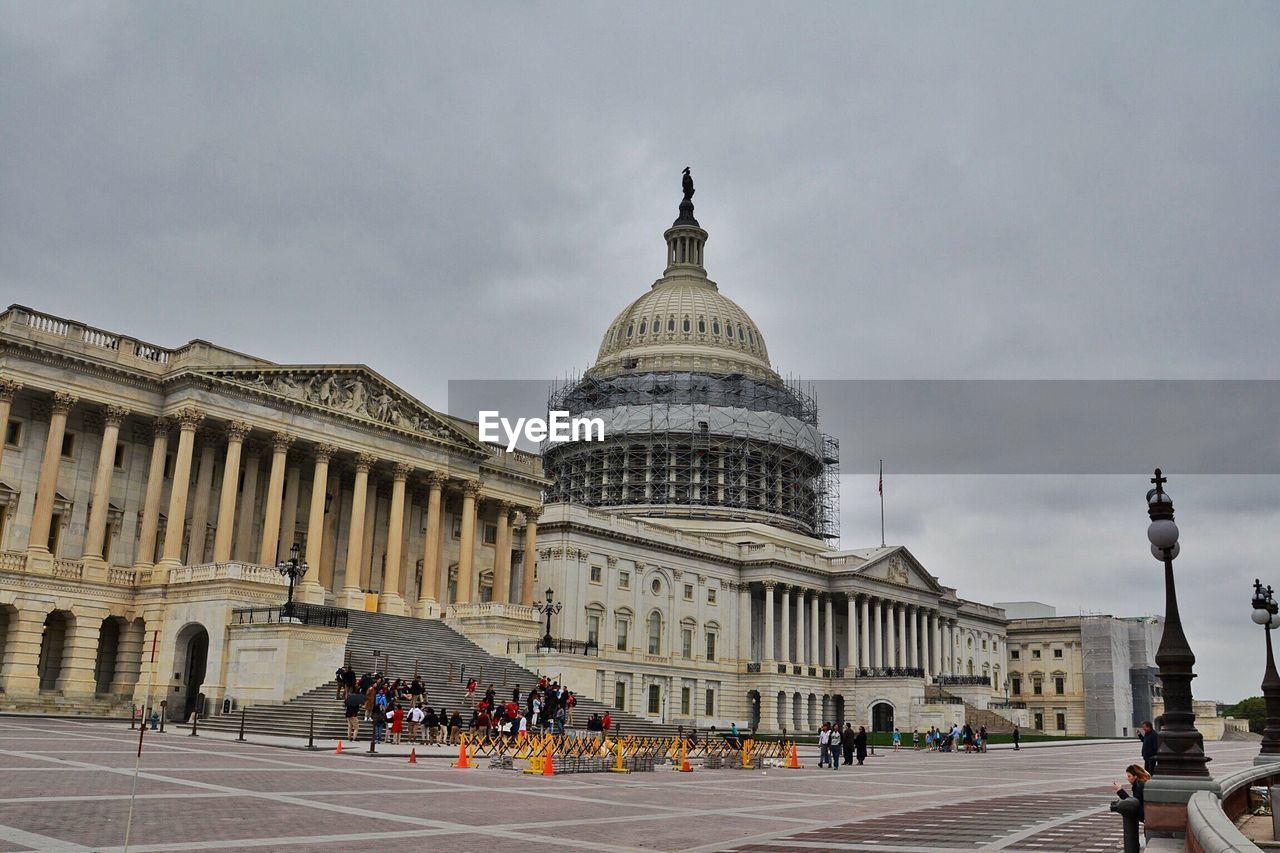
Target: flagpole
x,y
881,503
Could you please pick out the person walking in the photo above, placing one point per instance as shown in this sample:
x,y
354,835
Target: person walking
x,y
824,744
1150,746
353,704
846,742
835,746
915,740
1138,778
1017,736
897,740
860,744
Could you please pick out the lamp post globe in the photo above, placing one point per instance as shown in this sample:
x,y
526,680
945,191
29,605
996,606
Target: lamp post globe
x,y
1266,613
1181,751
293,569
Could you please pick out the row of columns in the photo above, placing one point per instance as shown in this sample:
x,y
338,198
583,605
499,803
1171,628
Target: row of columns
x,y
879,633
280,507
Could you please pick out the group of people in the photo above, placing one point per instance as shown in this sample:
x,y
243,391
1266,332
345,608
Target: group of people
x,y
834,743
397,707
960,737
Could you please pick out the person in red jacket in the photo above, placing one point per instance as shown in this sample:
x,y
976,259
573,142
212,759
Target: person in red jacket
x,y
607,723
396,717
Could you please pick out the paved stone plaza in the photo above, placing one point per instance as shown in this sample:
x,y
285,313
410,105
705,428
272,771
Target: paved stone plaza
x,y
64,785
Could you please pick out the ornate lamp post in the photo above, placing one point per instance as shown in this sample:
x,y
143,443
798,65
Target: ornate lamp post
x,y
1181,745
1267,614
292,568
549,609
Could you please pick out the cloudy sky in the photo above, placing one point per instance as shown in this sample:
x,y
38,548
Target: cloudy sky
x,y
893,191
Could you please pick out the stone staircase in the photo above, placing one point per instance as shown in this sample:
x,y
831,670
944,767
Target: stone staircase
x,y
400,646
973,715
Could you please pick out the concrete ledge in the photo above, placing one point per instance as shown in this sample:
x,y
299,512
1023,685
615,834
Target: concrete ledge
x,y
1210,830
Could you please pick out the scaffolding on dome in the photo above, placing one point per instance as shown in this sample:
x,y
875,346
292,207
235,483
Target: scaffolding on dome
x,y
700,446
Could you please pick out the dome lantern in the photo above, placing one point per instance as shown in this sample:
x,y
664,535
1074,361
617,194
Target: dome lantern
x,y
685,238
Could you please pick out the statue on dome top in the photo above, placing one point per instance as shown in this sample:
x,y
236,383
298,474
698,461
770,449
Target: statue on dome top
x,y
687,184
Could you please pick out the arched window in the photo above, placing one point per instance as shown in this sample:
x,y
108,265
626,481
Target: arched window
x,y
702,326
671,324
715,327
728,329
644,325
655,633
686,324
630,328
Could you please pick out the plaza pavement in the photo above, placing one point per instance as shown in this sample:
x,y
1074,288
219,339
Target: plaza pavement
x,y
65,785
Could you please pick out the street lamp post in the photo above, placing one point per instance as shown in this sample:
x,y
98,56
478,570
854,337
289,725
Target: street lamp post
x,y
1181,750
1267,614
294,569
549,609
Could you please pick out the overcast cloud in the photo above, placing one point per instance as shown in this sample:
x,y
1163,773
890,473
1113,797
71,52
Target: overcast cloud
x,y
893,191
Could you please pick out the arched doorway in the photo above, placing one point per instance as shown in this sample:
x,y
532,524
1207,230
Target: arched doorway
x,y
882,717
782,709
753,709
191,658
838,701
104,667
53,642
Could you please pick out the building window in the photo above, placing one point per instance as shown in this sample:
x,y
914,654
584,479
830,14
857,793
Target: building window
x,y
1013,654
13,434
622,626
107,535
686,701
620,695
1037,687
1061,719
686,643
4,517
593,630
1017,686
688,592
1057,653
69,445
984,645
118,462
624,580
711,646
596,574
711,702
1035,654
55,533
656,586
457,527
1038,720
1059,685
655,699
711,595
490,534
655,633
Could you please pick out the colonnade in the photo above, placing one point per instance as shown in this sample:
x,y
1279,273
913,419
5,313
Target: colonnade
x,y
239,512
799,628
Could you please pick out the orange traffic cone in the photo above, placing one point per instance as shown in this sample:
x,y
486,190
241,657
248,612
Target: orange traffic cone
x,y
413,756
547,769
338,751
685,767
793,761
464,760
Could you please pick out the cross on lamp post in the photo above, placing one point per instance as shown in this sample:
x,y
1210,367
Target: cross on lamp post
x,y
292,568
1267,614
1181,745
548,610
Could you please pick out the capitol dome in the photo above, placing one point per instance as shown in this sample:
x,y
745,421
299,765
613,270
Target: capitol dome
x,y
697,424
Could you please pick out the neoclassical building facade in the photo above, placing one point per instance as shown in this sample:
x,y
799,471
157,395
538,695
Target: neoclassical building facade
x,y
146,493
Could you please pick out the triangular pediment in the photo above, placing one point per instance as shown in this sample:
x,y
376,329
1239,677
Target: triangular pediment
x,y
898,566
352,391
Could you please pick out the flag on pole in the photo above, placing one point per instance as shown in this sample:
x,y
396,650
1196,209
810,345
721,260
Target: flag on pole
x,y
881,478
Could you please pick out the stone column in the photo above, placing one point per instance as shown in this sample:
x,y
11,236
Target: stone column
x,y
830,639
431,548
891,636
467,552
20,673
744,622
913,657
767,652
200,500
46,491
128,658
815,653
226,527
370,531
950,668
786,624
269,550
248,501
79,655
801,635
502,555
113,417
352,596
390,600
188,420
877,623
151,501
8,390
312,589
925,652
329,534
935,645
864,635
851,633
531,516
289,510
